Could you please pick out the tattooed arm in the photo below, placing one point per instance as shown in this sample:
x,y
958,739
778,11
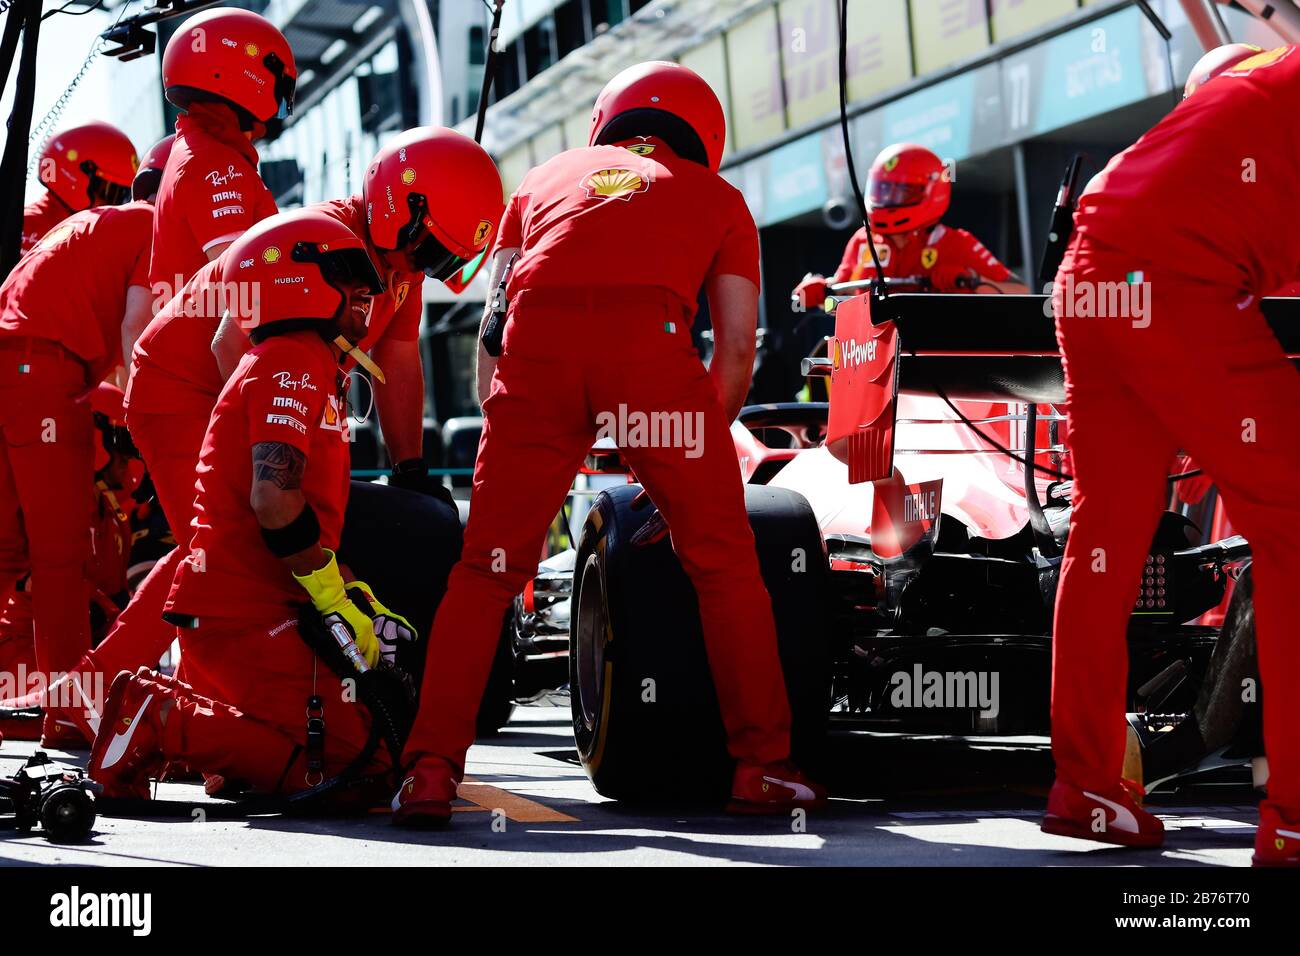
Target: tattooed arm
x,y
277,498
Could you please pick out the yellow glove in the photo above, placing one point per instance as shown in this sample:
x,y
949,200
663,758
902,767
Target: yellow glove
x,y
330,597
389,627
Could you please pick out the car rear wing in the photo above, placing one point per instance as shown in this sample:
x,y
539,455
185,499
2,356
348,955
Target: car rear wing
x,y
975,347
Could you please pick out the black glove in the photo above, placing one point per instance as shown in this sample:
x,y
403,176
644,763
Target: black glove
x,y
413,475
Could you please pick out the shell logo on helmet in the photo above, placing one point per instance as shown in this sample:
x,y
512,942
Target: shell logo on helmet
x,y
271,255
615,184
72,155
251,49
408,176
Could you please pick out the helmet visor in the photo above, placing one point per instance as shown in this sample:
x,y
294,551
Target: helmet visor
x,y
437,261
886,194
341,267
459,281
285,86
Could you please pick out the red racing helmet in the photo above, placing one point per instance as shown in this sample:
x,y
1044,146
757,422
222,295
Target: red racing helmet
x,y
149,175
908,188
89,165
235,57
1217,61
294,266
435,196
664,100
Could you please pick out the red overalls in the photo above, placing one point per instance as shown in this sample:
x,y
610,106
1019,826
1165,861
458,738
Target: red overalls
x,y
649,230
250,671
60,332
1198,369
174,386
941,245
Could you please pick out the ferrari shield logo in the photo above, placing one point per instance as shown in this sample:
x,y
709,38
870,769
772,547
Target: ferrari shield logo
x,y
615,184
482,232
399,296
642,149
929,256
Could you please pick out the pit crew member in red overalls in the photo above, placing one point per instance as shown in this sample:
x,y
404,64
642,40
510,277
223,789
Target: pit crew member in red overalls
x,y
118,471
272,488
1136,386
414,229
83,166
61,315
583,223
232,74
138,310
909,190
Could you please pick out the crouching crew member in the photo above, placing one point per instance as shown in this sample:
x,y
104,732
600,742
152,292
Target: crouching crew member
x,y
118,471
271,490
1136,389
648,181
62,310
410,227
75,260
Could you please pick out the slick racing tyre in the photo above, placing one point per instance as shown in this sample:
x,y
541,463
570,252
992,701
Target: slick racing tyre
x,y
645,713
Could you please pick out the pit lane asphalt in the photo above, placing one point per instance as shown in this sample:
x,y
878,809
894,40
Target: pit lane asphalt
x,y
897,802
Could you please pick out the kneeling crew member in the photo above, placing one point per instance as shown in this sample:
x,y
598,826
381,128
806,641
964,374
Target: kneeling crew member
x,y
271,490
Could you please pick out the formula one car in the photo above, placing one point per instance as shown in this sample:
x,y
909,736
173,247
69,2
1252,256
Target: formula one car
x,y
912,565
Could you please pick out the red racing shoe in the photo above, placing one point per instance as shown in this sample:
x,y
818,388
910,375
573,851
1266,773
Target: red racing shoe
x,y
128,746
424,798
773,788
1109,816
1277,841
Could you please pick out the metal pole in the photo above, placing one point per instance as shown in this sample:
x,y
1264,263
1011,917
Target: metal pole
x,y
9,45
489,63
13,167
1206,22
1022,211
